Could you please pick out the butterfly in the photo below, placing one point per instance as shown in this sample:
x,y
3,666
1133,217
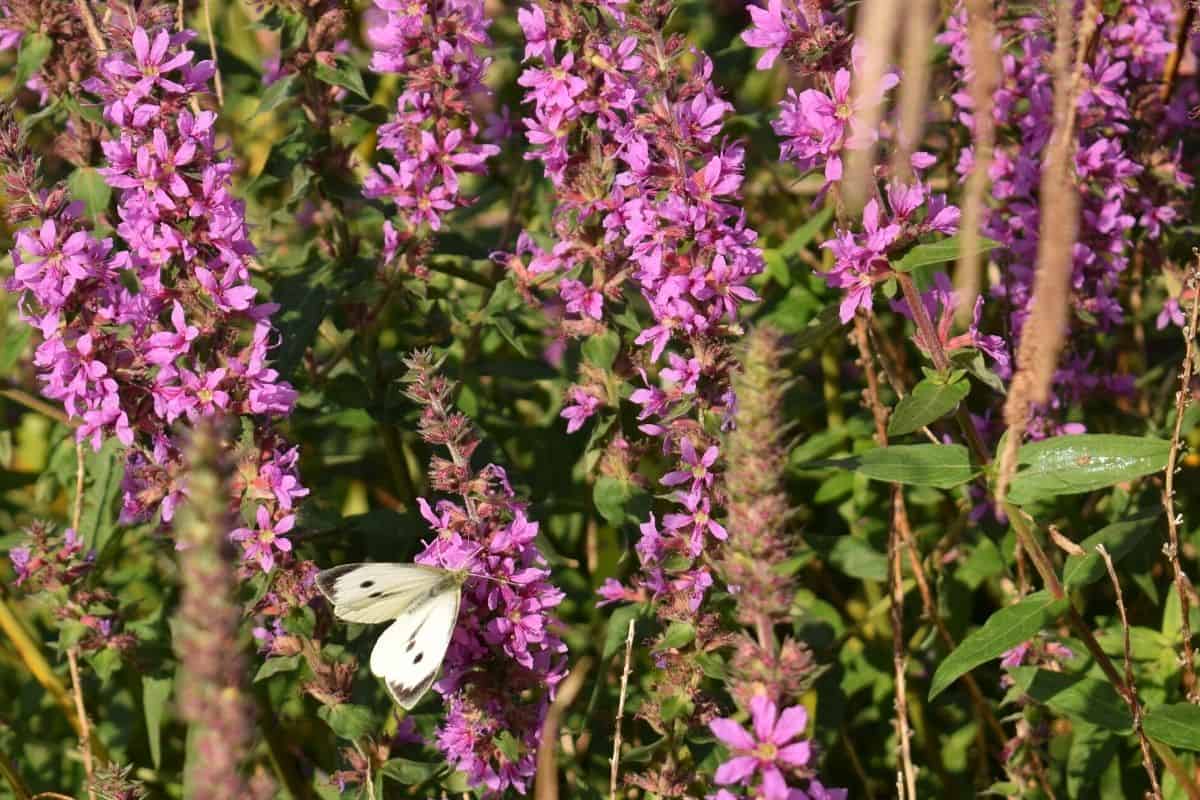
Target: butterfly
x,y
423,602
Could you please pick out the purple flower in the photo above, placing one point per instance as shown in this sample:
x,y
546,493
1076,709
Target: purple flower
x,y
817,126
695,468
582,407
768,751
262,543
19,556
166,346
769,30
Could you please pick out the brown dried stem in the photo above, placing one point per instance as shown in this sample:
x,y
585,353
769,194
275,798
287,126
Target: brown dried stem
x,y
85,728
876,30
906,778
899,658
909,542
914,89
981,83
1130,696
1182,396
1182,33
546,783
93,30
616,754
1044,332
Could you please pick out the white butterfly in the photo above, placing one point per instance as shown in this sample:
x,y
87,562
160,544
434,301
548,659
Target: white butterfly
x,y
422,600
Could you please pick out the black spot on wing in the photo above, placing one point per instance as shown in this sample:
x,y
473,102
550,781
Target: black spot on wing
x,y
327,579
419,657
367,584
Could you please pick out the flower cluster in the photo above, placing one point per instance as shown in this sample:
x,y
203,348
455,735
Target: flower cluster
x,y
433,138
57,565
1129,166
807,37
646,202
863,260
161,324
504,660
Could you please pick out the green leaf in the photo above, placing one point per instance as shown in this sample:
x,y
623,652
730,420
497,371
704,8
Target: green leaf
x,y
1075,696
35,48
16,339
1177,725
676,706
347,720
679,634
409,772
1004,630
800,237
928,402
343,74
942,466
1118,538
303,303
613,498
276,94
88,185
1082,463
105,662
939,252
274,666
852,556
618,629
155,693
507,744
104,472
601,351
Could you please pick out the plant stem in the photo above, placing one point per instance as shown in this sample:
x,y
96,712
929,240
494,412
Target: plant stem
x,y
29,401
1182,395
616,755
85,729
941,362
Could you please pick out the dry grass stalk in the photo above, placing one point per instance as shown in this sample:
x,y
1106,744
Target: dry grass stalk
x,y
876,33
85,731
1182,396
982,80
546,783
1044,333
906,774
914,89
1130,695
615,762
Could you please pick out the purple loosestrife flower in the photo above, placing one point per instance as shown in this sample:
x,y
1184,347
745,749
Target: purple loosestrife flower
x,y
504,660
190,341
799,31
433,138
862,260
767,752
817,127
263,542
1131,174
647,204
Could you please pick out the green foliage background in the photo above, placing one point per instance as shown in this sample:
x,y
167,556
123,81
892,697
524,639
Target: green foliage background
x,y
365,467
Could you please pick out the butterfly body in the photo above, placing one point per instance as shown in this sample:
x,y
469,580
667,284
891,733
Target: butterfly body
x,y
421,601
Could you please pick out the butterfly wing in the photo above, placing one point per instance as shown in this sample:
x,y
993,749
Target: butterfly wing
x,y
378,592
409,653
